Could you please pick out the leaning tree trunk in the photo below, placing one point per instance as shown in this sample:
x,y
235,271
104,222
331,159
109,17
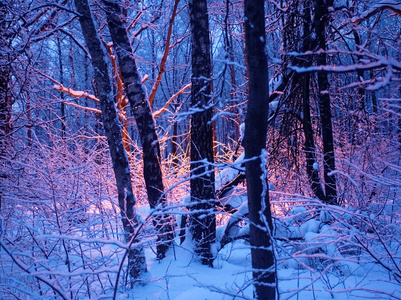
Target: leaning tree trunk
x,y
202,219
321,16
126,199
255,154
145,122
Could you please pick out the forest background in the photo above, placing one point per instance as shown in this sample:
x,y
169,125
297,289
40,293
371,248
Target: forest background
x,y
98,164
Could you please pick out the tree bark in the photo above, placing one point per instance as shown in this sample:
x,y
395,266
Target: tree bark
x,y
255,144
321,15
146,125
202,219
126,200
5,99
62,107
313,172
311,169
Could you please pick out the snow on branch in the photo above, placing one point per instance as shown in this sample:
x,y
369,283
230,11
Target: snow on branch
x,y
392,5
26,268
73,93
376,61
56,6
98,111
182,90
371,62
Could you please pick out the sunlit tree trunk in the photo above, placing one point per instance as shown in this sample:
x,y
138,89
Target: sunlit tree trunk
x,y
202,220
126,200
321,15
255,144
146,125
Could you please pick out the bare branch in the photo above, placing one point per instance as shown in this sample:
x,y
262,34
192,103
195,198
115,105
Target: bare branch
x,y
73,93
160,111
76,42
392,5
98,111
57,6
25,268
165,54
76,94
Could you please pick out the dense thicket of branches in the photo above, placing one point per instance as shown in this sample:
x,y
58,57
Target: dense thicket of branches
x,y
83,152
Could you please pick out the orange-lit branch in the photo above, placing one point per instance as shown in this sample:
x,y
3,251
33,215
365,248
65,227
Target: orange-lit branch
x,y
116,74
161,110
76,94
179,40
135,20
79,94
83,107
121,100
165,54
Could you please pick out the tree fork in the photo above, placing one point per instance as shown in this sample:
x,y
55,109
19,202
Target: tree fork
x,y
145,123
126,200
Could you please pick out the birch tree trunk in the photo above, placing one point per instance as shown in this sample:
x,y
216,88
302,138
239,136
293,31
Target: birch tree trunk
x,y
255,144
126,200
145,123
202,221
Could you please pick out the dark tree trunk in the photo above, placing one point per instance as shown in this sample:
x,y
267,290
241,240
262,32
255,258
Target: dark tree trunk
x,y
145,123
321,17
312,171
126,200
255,144
202,220
232,123
5,99
62,108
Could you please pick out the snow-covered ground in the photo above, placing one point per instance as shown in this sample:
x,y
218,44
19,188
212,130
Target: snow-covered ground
x,y
318,258
180,276
323,252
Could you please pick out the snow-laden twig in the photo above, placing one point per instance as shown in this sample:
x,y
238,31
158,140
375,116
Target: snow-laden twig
x,y
26,268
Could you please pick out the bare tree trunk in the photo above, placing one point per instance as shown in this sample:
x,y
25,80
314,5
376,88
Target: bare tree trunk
x,y
62,108
5,99
233,95
263,263
126,200
146,125
321,15
203,219
311,165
